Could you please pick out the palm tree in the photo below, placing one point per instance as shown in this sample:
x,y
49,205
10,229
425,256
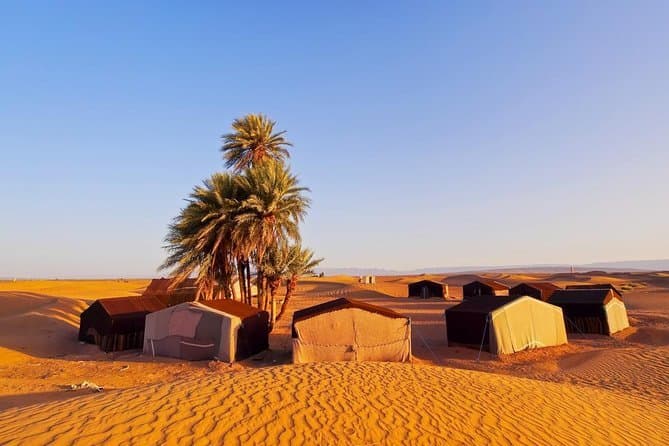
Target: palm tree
x,y
301,262
253,141
270,213
232,219
199,239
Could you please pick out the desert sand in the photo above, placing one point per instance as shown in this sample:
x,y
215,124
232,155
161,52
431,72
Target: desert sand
x,y
596,390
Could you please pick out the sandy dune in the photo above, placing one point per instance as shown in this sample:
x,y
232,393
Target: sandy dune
x,y
596,390
344,404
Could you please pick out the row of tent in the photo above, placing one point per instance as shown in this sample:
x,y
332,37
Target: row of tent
x,y
343,329
228,330
224,329
591,308
486,287
166,321
503,325
426,289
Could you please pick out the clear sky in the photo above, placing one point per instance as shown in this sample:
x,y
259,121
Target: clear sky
x,y
431,133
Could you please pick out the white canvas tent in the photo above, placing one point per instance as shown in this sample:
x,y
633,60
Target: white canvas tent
x,y
617,315
223,329
348,330
506,325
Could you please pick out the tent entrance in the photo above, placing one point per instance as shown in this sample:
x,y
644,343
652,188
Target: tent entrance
x,y
586,324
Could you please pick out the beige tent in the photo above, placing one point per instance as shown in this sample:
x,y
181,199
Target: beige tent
x,y
617,315
223,329
503,325
348,330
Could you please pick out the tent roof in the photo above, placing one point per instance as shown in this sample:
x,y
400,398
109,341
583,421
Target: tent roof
x,y
132,304
233,307
595,286
542,286
427,281
581,296
492,284
483,305
340,304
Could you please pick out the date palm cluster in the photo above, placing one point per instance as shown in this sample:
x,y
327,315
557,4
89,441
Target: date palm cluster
x,y
240,228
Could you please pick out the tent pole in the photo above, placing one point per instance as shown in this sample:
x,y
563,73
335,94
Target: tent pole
x,y
485,329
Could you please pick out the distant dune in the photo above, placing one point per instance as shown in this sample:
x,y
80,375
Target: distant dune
x,y
621,266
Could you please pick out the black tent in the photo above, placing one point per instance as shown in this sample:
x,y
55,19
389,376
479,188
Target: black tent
x,y
466,322
427,288
598,311
597,286
538,290
117,323
484,287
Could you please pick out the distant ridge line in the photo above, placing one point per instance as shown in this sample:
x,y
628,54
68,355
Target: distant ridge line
x,y
611,267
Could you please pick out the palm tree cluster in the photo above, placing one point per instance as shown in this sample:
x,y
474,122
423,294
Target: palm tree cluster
x,y
244,221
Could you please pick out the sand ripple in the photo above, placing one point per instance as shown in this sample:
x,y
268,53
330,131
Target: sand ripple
x,y
339,403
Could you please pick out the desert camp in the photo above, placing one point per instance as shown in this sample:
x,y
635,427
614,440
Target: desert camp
x,y
630,361
349,330
505,325
598,311
387,223
117,324
223,329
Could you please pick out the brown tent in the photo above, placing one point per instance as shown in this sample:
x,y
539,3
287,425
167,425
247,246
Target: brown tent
x,y
484,287
224,329
503,325
350,330
162,289
117,323
597,311
427,288
538,290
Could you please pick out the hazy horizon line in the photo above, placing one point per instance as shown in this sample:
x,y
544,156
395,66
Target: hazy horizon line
x,y
647,265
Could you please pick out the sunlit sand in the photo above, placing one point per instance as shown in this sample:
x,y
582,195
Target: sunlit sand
x,y
595,390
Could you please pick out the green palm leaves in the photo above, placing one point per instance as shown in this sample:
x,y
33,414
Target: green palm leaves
x,y
243,218
253,141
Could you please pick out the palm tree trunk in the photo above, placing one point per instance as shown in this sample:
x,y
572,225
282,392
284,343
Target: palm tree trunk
x,y
261,289
241,280
291,284
273,285
249,288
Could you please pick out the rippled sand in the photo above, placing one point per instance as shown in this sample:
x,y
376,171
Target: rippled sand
x,y
336,403
596,390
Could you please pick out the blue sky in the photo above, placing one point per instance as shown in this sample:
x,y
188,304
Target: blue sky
x,y
431,133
